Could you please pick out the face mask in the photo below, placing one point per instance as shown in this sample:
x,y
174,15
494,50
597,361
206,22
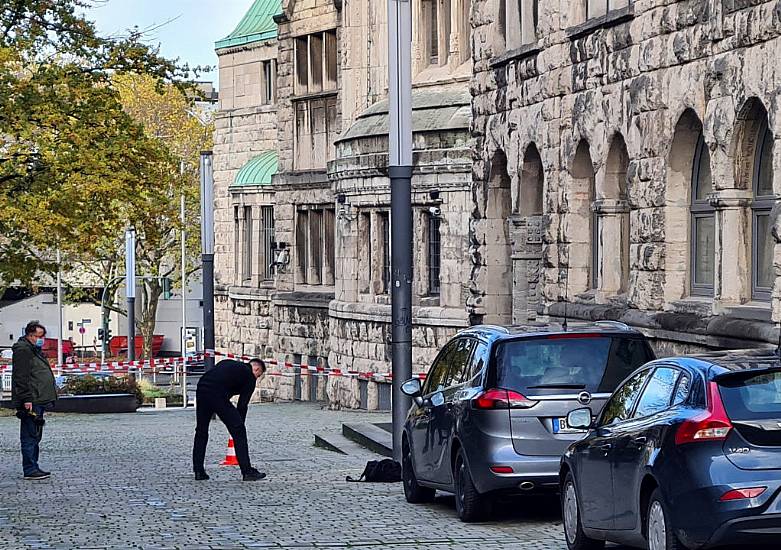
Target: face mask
x,y
39,343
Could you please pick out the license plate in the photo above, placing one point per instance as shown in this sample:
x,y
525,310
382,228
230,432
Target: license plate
x,y
560,427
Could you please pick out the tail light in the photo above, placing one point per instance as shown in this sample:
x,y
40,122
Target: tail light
x,y
502,469
741,494
712,425
502,399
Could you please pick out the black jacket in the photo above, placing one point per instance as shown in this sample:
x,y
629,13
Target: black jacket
x,y
226,379
32,380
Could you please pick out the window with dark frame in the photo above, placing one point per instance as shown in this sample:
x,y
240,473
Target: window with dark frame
x,y
385,235
268,96
433,39
236,244
315,246
703,224
246,269
267,242
598,8
434,255
762,243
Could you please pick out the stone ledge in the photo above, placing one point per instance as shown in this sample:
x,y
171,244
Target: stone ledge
x,y
318,300
717,331
517,54
610,19
245,293
378,313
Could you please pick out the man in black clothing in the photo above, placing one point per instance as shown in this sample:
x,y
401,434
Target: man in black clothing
x,y
215,388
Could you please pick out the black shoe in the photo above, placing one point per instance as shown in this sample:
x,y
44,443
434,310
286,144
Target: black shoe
x,y
201,476
44,472
254,475
38,475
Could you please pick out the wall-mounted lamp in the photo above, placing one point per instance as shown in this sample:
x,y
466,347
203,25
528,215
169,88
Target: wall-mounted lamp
x,y
344,208
281,256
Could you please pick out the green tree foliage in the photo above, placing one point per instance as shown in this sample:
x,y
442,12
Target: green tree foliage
x,y
70,155
172,120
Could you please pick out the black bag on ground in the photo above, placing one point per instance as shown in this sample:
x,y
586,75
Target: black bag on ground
x,y
384,471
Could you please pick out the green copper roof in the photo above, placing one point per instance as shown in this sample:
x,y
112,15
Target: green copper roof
x,y
257,24
259,170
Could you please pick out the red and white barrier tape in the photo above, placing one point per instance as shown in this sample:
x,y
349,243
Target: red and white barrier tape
x,y
162,364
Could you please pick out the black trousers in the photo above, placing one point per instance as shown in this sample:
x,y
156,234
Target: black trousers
x,y
207,405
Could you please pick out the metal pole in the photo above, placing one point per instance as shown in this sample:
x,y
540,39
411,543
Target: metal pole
x,y
103,324
207,254
183,267
400,172
59,308
130,287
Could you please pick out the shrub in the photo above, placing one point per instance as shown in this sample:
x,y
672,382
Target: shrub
x,y
91,385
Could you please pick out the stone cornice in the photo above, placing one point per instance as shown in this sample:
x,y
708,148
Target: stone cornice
x,y
517,54
610,19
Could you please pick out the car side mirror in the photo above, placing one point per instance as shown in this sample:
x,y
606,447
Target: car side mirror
x,y
413,388
579,419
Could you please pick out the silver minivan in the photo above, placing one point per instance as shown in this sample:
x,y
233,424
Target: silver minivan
x,y
490,417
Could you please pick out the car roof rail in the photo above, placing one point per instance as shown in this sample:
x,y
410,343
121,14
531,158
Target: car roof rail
x,y
614,324
489,327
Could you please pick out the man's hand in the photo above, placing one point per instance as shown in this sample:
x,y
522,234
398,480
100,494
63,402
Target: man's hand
x,y
28,406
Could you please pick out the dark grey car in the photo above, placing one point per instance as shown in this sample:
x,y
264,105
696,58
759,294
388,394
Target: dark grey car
x,y
491,415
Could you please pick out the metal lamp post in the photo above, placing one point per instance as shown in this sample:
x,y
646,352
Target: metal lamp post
x,y
207,253
400,172
130,287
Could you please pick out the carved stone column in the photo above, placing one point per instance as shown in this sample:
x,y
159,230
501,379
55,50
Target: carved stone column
x,y
612,241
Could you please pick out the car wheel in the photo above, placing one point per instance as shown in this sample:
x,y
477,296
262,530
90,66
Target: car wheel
x,y
413,492
470,505
570,511
659,532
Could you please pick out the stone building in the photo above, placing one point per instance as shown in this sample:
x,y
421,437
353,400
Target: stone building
x,y
302,194
624,166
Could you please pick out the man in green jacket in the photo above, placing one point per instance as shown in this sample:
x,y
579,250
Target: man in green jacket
x,y
33,391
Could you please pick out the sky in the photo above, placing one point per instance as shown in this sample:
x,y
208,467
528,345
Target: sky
x,y
186,29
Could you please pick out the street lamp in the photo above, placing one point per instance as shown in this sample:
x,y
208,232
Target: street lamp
x,y
400,172
207,256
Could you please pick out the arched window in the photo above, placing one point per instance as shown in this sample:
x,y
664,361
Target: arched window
x,y
582,225
762,241
703,224
611,244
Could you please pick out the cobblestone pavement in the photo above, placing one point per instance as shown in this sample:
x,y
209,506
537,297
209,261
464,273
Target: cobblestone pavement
x,y
124,481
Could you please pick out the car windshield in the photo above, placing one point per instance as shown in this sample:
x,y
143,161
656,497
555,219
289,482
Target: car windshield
x,y
594,363
752,397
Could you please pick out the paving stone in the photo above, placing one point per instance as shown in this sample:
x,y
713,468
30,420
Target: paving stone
x,y
124,481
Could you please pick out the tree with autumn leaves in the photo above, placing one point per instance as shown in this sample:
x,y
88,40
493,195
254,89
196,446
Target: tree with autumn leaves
x,y
92,136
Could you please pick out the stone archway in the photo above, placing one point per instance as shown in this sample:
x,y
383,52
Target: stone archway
x,y
526,235
496,249
612,223
578,224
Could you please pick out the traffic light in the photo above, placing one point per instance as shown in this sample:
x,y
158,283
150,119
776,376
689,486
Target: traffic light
x,y
166,288
107,333
100,334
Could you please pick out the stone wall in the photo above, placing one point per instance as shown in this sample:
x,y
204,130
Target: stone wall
x,y
608,104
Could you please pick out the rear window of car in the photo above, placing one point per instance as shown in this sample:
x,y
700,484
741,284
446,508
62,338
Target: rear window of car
x,y
752,397
594,363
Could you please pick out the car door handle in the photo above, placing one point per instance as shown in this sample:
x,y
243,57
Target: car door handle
x,y
605,447
642,440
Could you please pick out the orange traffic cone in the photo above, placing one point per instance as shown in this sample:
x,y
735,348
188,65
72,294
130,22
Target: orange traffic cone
x,y
230,456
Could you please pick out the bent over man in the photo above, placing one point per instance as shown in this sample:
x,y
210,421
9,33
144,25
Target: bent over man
x,y
215,388
33,391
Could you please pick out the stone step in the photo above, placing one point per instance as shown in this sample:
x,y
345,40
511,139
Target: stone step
x,y
336,442
370,436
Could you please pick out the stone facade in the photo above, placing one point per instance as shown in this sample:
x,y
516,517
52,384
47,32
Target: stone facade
x,y
328,302
624,163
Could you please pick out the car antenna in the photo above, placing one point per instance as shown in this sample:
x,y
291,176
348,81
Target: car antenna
x,y
566,298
